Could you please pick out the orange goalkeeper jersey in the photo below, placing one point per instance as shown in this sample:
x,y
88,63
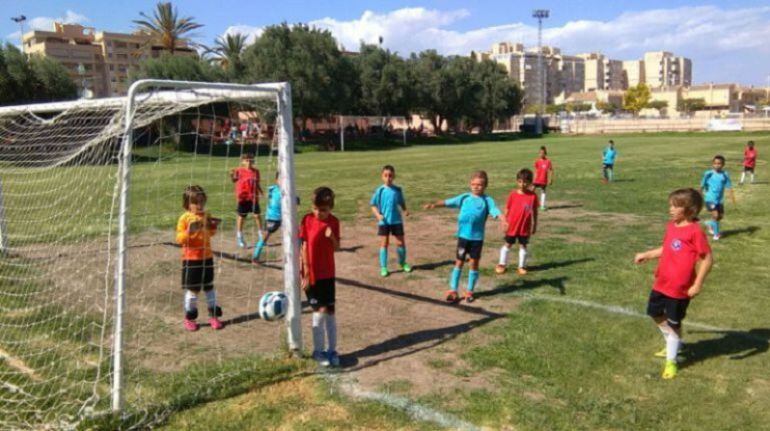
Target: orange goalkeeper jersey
x,y
196,245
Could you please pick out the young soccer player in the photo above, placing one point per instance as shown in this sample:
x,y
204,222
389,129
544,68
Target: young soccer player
x,y
543,174
608,161
247,192
193,232
387,205
713,184
749,161
521,217
684,261
474,208
272,218
320,235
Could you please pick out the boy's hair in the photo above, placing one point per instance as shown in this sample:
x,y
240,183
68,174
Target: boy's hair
x,y
719,157
544,150
323,197
277,174
193,195
689,199
751,143
247,156
525,175
389,168
612,142
481,174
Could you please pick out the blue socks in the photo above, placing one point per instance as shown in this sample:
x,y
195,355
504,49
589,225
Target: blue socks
x,y
258,249
454,281
383,257
714,225
401,255
473,277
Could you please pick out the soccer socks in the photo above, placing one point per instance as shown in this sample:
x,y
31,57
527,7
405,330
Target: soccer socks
x,y
752,178
743,177
542,200
504,255
715,225
383,257
401,255
522,257
319,324
609,174
454,281
258,249
331,332
672,345
473,277
190,305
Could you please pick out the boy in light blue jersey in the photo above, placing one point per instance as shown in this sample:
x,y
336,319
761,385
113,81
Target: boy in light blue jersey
x,y
387,206
474,207
608,161
272,218
713,185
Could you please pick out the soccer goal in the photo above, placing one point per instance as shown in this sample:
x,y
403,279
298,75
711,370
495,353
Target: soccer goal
x,y
91,301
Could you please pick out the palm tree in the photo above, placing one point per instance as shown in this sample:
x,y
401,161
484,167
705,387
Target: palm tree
x,y
165,28
227,50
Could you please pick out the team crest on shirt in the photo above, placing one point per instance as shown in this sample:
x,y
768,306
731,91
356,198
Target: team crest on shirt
x,y
676,245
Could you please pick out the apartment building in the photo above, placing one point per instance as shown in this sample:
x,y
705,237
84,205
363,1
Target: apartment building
x,y
663,69
633,73
602,73
522,67
98,62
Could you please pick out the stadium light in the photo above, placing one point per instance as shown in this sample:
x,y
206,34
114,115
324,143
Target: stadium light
x,y
540,14
20,20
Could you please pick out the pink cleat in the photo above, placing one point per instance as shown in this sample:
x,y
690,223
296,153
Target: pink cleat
x,y
190,325
216,323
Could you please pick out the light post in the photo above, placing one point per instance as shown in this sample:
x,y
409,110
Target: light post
x,y
83,81
20,20
540,14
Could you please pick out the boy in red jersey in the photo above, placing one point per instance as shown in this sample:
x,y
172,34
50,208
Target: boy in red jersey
x,y
749,161
320,235
247,192
543,174
521,220
685,260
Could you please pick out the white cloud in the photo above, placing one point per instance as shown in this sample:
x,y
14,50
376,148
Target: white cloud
x,y
46,23
251,32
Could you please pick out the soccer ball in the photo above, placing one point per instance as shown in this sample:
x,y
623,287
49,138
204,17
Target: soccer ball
x,y
273,306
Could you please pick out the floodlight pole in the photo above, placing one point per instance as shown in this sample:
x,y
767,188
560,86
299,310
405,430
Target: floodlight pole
x,y
540,14
20,20
3,227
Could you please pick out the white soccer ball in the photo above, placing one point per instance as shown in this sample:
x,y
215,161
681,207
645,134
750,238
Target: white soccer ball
x,y
273,306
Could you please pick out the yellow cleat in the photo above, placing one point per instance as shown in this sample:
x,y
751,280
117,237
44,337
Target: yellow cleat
x,y
669,371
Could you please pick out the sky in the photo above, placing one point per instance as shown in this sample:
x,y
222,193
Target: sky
x,y
728,40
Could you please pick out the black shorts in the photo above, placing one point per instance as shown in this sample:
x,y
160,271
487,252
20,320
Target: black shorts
x,y
247,207
321,294
608,165
748,169
390,229
661,305
272,226
511,240
467,248
198,274
711,207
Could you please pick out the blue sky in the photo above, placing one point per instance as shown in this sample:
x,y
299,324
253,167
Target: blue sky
x,y
727,40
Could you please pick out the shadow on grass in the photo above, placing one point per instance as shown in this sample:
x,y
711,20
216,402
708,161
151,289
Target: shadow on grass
x,y
623,180
433,265
734,344
351,249
564,207
750,230
523,284
560,264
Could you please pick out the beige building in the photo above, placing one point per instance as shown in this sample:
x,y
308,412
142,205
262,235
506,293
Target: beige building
x,y
663,69
98,61
602,73
633,73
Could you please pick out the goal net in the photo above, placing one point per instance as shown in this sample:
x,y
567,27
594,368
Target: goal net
x,y
91,298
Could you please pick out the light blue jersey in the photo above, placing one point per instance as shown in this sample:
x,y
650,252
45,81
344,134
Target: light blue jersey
x,y
274,203
610,153
473,214
388,200
714,184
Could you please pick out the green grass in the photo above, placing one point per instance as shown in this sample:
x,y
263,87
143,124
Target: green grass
x,y
562,366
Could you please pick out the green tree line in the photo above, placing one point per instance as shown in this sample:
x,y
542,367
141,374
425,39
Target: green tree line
x,y
32,80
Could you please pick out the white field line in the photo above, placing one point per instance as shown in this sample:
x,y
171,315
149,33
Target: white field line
x,y
19,365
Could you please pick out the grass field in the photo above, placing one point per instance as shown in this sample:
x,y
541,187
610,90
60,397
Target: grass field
x,y
572,350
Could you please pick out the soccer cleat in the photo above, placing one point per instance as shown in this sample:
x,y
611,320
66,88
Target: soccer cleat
x,y
499,269
451,296
521,271
660,353
543,208
406,267
604,180
215,323
469,297
190,325
669,371
717,237
334,358
384,272
321,358
241,244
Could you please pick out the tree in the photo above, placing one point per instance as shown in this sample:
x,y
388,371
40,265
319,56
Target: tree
x,y
174,67
658,105
426,68
499,97
228,53
36,79
607,107
578,107
688,106
385,82
636,98
166,28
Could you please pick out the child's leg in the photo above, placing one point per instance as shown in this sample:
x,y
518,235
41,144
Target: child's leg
x,y
610,174
473,274
384,243
672,336
331,328
604,172
401,249
542,197
504,254
454,280
743,176
319,330
239,225
211,302
258,222
752,177
522,255
190,305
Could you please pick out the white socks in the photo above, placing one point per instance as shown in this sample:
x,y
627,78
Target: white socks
x,y
673,341
542,200
743,177
211,298
190,301
504,255
522,257
319,322
331,332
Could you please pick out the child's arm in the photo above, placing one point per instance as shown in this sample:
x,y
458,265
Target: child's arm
x,y
333,238
376,212
304,266
534,218
732,196
432,205
648,255
550,176
182,234
704,266
402,204
233,175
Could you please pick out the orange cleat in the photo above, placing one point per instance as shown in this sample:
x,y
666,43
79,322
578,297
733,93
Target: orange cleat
x,y
521,271
499,269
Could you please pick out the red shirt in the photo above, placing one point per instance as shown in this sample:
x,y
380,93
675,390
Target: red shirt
x,y
320,249
750,157
542,166
246,181
682,247
521,209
